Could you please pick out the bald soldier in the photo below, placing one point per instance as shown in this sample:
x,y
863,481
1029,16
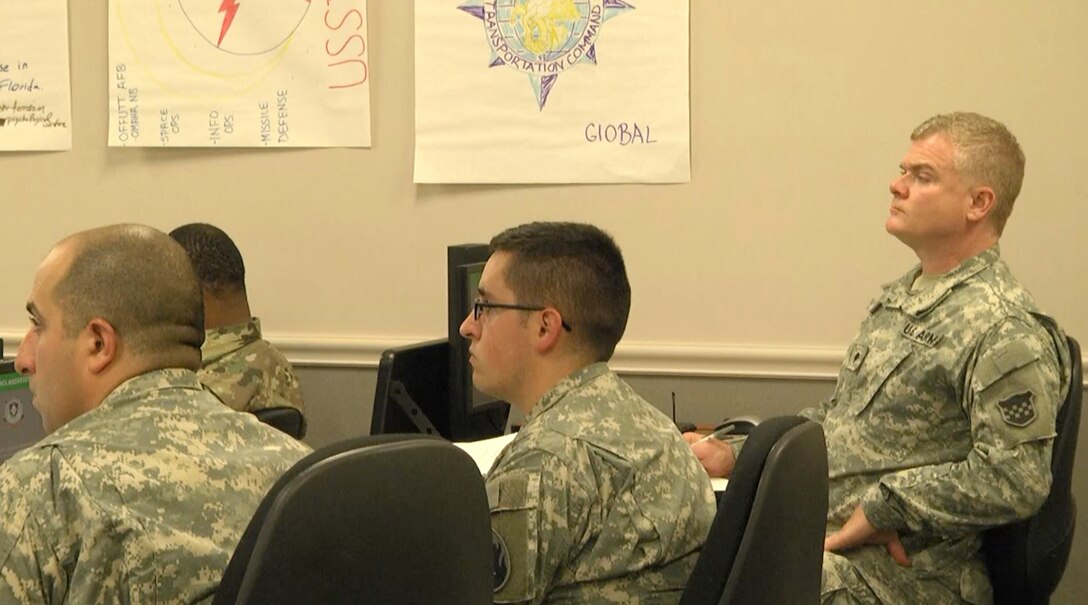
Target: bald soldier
x,y
242,368
145,482
597,499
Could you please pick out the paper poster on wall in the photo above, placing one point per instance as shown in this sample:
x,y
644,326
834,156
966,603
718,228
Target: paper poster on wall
x,y
552,91
35,95
239,73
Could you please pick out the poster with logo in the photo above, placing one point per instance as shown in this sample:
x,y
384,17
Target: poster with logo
x,y
35,93
239,73
552,91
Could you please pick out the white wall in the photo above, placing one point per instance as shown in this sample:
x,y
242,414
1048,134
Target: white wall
x,y
763,264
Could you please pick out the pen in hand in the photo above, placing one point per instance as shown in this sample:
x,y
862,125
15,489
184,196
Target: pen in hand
x,y
721,434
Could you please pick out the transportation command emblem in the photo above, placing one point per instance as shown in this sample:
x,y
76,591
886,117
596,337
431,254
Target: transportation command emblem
x,y
543,38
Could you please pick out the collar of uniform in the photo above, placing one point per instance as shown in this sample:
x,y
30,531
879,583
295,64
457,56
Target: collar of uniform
x,y
222,341
559,391
898,294
133,390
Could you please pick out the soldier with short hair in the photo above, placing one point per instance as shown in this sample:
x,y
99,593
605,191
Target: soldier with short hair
x,y
238,365
145,482
597,499
943,419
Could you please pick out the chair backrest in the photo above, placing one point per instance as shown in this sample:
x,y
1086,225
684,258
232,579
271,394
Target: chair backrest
x,y
379,519
287,419
1026,559
766,543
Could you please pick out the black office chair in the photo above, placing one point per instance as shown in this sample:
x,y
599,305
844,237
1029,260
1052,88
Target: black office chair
x,y
287,419
766,543
378,519
1026,559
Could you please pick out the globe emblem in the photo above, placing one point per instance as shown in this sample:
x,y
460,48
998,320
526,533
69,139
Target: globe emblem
x,y
542,30
543,38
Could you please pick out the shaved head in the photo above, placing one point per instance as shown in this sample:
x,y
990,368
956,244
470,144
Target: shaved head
x,y
141,282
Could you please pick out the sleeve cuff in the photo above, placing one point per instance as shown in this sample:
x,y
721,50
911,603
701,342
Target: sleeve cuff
x,y
880,511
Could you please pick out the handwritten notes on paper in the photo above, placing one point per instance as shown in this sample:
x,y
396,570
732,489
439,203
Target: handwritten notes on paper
x,y
35,97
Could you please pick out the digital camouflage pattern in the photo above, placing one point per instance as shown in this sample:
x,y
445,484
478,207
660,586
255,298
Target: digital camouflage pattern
x,y
246,372
141,500
597,499
941,425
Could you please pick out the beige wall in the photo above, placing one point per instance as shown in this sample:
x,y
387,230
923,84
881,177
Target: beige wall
x,y
762,264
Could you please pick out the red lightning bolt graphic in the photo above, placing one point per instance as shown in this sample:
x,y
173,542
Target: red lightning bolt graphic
x,y
228,8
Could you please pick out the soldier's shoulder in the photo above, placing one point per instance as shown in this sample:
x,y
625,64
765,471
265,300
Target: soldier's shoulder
x,y
23,469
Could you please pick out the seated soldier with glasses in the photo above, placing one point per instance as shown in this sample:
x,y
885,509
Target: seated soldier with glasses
x,y
597,499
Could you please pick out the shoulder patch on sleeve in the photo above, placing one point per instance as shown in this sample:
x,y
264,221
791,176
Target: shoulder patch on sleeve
x,y
1018,409
1009,358
513,499
501,557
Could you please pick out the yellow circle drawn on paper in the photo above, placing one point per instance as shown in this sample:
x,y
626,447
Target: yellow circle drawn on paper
x,y
214,77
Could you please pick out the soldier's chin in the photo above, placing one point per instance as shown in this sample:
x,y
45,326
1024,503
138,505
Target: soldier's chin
x,y
894,227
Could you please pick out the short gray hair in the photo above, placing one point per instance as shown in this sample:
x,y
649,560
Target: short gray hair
x,y
986,152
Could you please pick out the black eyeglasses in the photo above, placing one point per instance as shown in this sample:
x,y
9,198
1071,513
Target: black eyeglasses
x,y
478,307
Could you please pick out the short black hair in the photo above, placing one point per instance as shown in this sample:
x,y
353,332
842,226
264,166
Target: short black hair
x,y
216,259
578,269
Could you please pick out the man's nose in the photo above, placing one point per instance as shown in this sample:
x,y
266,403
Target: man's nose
x,y
468,327
898,186
24,361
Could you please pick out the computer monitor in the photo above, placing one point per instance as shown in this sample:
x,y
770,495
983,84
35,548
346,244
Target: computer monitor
x,y
412,390
427,387
413,396
22,425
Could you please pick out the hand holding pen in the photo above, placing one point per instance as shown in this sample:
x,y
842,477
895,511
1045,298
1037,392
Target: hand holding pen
x,y
721,434
714,452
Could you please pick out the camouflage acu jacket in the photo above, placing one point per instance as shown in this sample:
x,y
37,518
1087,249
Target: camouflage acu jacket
x,y
597,500
246,372
942,423
141,500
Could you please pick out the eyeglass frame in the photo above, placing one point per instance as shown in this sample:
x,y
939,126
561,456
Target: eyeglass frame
x,y
478,305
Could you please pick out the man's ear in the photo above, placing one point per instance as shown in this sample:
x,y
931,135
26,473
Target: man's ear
x,y
101,344
548,327
982,203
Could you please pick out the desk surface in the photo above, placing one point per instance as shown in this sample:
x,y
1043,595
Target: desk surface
x,y
485,451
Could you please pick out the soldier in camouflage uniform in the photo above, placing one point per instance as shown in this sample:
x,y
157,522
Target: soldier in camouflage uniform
x,y
145,483
597,499
241,368
247,372
943,419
